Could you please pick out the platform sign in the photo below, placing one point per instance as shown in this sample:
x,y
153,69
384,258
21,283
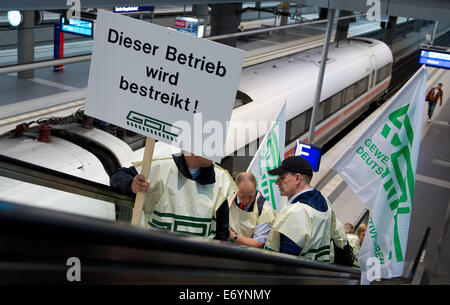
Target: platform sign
x,y
187,24
81,27
161,83
311,153
433,58
133,9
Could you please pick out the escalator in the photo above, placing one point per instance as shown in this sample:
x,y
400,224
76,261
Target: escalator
x,y
36,244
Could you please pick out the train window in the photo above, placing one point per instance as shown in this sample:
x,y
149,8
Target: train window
x,y
327,108
380,74
349,94
321,112
335,102
289,135
308,118
388,69
362,86
298,126
383,72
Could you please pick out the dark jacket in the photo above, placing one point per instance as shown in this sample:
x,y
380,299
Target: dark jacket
x,y
315,200
431,98
122,179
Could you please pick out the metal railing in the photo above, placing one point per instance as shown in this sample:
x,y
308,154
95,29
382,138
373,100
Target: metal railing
x,y
38,175
36,243
283,27
44,64
362,218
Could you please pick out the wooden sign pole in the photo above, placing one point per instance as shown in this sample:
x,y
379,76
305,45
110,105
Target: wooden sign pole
x,y
140,197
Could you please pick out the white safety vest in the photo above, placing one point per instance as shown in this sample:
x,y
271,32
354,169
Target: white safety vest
x,y
308,228
175,203
244,223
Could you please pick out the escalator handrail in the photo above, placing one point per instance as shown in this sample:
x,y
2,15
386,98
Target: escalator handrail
x,y
17,219
39,175
360,219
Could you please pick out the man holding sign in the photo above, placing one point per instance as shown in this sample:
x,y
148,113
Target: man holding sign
x,y
163,84
186,194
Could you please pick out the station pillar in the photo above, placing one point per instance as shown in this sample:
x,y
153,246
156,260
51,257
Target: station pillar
x,y
323,13
201,11
58,45
225,19
258,6
285,6
388,35
342,27
433,37
25,43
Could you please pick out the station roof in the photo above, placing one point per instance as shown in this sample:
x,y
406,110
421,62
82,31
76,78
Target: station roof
x,y
428,10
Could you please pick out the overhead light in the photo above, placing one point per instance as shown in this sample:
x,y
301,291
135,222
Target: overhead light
x,y
15,18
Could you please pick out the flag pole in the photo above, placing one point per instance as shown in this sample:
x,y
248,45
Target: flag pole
x,y
253,159
267,134
251,163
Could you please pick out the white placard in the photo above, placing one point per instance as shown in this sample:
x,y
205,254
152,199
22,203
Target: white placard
x,y
167,85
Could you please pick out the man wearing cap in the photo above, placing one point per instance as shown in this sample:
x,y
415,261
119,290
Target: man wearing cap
x,y
185,193
306,226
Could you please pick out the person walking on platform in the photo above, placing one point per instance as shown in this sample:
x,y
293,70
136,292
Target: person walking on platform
x,y
432,97
185,193
251,216
307,225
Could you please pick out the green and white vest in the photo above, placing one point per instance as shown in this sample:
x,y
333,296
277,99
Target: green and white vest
x,y
308,228
244,223
177,204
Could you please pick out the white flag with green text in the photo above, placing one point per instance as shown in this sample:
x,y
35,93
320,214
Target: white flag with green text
x,y
269,156
380,167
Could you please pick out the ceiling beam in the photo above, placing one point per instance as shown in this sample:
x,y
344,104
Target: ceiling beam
x,y
6,5
427,10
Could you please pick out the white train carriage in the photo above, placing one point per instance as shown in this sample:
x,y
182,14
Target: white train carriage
x,y
357,74
66,157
